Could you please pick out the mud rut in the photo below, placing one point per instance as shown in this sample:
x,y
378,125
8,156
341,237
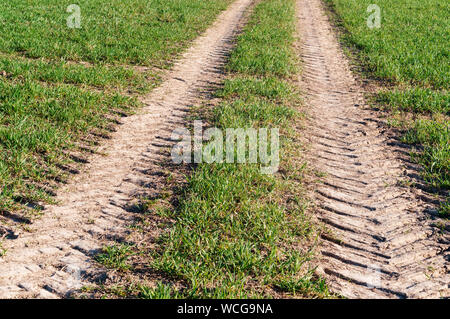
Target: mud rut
x,y
381,236
381,244
48,261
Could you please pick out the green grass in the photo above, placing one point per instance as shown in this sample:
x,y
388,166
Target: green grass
x,y
239,233
161,291
116,257
92,77
417,100
434,136
444,209
410,47
263,51
61,88
37,123
410,54
2,250
144,32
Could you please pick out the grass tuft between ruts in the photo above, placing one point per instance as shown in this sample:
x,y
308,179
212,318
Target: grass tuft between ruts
x,y
237,232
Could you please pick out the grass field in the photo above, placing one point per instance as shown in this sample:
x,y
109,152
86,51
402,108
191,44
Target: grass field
x,y
239,233
409,55
143,32
62,88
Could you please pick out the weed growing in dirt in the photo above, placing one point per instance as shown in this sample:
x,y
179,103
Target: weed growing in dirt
x,y
2,250
116,256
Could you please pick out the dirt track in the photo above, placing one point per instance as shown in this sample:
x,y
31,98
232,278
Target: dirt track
x,y
48,261
383,245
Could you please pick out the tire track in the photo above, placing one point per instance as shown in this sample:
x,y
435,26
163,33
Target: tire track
x,y
55,257
382,244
